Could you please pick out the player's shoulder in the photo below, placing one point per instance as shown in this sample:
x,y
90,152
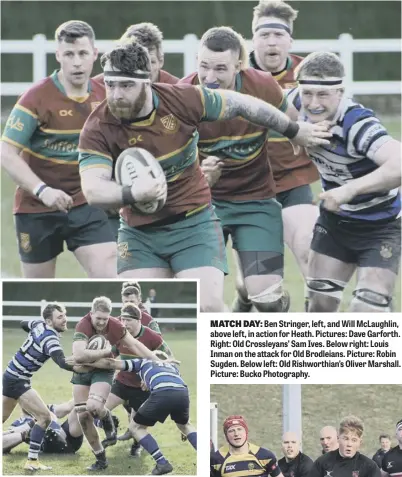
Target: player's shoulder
x,y
38,92
261,452
168,78
115,322
296,60
220,454
252,77
192,78
352,113
98,116
166,89
98,79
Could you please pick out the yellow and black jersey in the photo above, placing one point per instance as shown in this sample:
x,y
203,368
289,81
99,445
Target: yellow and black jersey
x,y
258,462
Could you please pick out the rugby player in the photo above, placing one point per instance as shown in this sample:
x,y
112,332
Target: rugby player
x,y
346,460
39,152
243,191
241,457
385,446
184,238
126,387
359,227
272,28
91,389
392,462
168,397
42,343
329,439
294,463
131,293
149,36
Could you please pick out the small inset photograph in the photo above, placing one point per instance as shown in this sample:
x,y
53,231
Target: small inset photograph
x,y
305,430
99,377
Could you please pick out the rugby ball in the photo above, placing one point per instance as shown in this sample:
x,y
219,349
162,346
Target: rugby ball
x,y
133,166
97,342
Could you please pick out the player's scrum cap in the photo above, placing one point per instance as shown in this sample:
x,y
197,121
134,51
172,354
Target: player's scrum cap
x,y
399,425
112,73
131,311
234,420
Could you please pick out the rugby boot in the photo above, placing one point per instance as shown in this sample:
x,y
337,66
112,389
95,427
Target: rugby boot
x,y
136,450
126,436
161,469
34,464
110,431
101,462
240,305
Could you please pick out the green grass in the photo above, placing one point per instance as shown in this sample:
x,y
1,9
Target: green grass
x,y
68,267
378,406
54,386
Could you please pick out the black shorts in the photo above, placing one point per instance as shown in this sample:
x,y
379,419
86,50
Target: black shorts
x,y
299,195
134,397
14,387
366,244
41,236
161,404
73,443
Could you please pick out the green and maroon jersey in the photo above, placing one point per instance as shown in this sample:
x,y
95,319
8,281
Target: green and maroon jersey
x,y
169,134
148,338
46,124
114,331
246,172
289,170
164,77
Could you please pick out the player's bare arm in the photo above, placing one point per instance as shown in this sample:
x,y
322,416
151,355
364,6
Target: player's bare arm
x,y
137,347
24,177
264,114
385,178
82,355
100,190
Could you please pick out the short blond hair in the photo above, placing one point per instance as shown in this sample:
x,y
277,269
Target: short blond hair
x,y
225,38
351,424
321,64
102,304
274,8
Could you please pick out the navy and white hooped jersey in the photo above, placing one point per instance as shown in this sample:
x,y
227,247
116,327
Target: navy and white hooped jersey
x,y
357,135
157,375
35,351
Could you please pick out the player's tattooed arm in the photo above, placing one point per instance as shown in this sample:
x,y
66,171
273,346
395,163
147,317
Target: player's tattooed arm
x,y
268,116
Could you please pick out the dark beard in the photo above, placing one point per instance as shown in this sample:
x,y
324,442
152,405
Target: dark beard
x,y
131,111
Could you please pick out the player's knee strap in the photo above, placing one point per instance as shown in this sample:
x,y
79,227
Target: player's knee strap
x,y
97,397
325,286
80,407
373,299
261,263
271,300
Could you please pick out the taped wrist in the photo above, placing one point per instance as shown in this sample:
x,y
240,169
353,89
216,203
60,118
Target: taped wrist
x,y
39,189
127,196
292,130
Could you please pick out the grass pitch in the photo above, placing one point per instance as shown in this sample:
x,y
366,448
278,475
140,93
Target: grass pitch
x,y
68,267
53,384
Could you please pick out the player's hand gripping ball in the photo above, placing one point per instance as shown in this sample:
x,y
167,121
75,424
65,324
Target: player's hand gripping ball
x,y
138,168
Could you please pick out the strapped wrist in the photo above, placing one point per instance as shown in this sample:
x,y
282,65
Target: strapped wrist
x,y
127,196
39,189
292,130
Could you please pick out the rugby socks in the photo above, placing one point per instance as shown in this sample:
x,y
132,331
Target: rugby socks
x,y
192,439
37,435
107,424
151,446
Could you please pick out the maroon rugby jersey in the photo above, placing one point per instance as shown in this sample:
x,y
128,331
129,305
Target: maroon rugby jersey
x,y
114,331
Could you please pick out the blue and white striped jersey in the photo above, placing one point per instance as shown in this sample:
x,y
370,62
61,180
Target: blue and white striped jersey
x,y
35,351
157,375
357,135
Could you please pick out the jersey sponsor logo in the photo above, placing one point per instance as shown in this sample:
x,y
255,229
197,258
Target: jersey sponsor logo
x,y
15,123
122,249
25,242
228,468
329,472
65,112
386,251
320,229
61,146
133,141
95,104
170,123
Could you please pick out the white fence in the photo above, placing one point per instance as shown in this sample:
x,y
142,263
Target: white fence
x,y
41,304
345,45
